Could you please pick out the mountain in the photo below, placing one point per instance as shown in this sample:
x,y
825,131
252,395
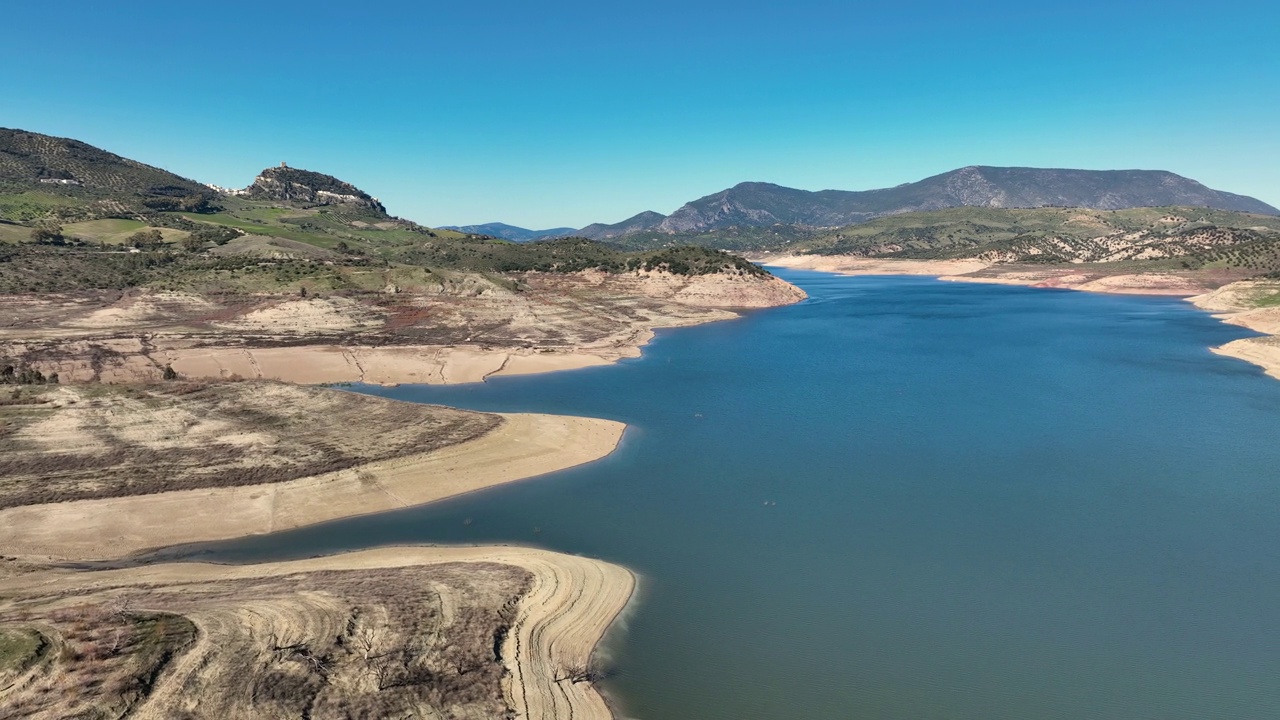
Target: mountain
x,y
91,181
286,184
647,220
1194,236
510,232
757,204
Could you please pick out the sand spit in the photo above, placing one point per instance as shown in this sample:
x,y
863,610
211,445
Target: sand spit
x,y
525,445
554,628
1251,304
1236,303
1263,352
409,630
535,323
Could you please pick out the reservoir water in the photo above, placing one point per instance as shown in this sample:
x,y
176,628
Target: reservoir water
x,y
907,499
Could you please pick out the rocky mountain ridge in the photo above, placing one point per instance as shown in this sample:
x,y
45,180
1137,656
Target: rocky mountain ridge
x,y
758,204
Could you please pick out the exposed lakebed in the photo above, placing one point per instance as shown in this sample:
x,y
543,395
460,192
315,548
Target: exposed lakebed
x,y
906,498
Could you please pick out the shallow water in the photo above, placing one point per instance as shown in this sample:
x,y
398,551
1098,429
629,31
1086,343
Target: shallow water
x,y
907,498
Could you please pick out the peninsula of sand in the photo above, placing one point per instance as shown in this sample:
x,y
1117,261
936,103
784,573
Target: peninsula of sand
x,y
1252,304
487,631
176,422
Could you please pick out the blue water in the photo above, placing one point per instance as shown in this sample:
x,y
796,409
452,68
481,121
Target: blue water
x,y
907,498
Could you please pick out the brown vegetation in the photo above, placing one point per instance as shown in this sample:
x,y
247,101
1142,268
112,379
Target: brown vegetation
x,y
71,443
114,337
417,641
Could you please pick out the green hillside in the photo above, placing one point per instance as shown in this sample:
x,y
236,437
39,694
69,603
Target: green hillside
x,y
1159,237
45,177
251,247
1178,237
74,217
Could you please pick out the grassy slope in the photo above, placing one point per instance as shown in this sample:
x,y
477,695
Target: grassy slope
x,y
287,248
1178,237
736,239
970,227
116,441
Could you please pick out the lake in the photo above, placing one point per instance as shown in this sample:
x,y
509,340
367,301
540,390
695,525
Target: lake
x,y
905,499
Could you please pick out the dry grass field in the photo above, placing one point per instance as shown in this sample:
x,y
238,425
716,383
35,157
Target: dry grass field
x,y
461,330
418,641
75,442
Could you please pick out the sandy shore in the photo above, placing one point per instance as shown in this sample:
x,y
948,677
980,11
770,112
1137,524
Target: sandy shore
x,y
1237,304
311,364
524,446
980,271
1229,303
557,624
870,266
554,322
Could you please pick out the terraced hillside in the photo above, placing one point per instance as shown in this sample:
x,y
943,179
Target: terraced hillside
x,y
1179,237
45,177
1162,237
372,642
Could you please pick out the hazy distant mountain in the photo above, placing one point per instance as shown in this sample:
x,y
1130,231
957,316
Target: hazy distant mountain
x,y
510,232
288,184
755,204
647,220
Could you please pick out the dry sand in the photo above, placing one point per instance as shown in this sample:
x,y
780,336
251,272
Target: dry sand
x,y
571,603
552,323
83,442
557,624
471,330
871,266
310,364
1230,303
524,446
981,271
1237,303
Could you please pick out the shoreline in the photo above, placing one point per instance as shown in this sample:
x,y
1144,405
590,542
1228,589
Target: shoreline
x,y
1262,351
561,619
402,365
564,322
329,363
524,446
557,625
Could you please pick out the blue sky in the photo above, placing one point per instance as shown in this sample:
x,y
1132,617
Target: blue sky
x,y
564,113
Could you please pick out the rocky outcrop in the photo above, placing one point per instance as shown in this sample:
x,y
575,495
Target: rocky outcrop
x,y
286,184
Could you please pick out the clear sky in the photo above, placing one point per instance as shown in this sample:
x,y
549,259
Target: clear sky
x,y
551,113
